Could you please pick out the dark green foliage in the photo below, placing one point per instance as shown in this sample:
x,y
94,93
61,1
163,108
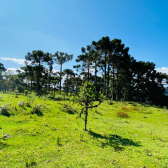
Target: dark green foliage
x,y
106,63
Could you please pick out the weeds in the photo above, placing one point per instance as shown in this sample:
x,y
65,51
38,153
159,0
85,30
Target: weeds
x,y
59,141
30,162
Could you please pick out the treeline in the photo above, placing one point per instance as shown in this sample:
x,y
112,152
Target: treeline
x,y
106,63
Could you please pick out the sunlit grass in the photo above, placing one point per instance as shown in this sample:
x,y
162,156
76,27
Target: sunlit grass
x,y
57,139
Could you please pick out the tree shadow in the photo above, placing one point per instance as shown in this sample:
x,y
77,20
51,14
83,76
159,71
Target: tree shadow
x,y
115,141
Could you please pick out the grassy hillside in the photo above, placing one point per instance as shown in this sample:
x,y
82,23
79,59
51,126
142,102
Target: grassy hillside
x,y
49,135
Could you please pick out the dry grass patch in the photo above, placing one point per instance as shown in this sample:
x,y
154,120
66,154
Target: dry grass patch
x,y
122,114
125,108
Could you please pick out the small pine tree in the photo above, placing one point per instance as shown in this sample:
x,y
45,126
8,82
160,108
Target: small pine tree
x,y
86,98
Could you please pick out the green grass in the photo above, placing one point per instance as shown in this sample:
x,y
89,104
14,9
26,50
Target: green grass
x,y
53,137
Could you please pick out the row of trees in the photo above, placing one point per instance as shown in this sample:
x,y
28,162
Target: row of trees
x,y
106,63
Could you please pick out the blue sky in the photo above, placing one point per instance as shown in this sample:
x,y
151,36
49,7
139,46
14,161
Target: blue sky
x,y
68,25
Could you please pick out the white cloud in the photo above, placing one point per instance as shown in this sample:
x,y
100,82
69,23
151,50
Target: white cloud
x,y
17,61
13,70
54,70
163,70
55,65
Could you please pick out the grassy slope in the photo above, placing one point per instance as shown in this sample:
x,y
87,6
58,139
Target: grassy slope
x,y
57,139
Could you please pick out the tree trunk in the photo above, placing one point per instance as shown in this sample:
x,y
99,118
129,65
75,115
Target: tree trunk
x,y
67,86
113,85
95,77
60,78
138,88
108,78
88,73
104,90
49,81
86,114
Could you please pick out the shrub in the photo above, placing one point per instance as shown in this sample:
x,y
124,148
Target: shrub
x,y
51,96
26,92
122,114
31,97
27,104
59,97
21,103
69,109
37,109
5,109
110,102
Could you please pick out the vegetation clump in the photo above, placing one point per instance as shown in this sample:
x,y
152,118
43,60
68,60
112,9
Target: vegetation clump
x,y
24,104
69,109
38,109
5,109
122,114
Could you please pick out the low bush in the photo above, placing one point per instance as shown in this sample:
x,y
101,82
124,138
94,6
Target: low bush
x,y
38,109
21,103
61,97
69,109
31,97
24,104
50,96
5,109
122,114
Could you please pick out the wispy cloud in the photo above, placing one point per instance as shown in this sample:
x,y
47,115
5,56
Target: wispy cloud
x,y
163,70
17,61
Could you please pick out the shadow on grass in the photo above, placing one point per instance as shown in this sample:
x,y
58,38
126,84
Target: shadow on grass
x,y
38,112
98,112
115,141
3,145
7,114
